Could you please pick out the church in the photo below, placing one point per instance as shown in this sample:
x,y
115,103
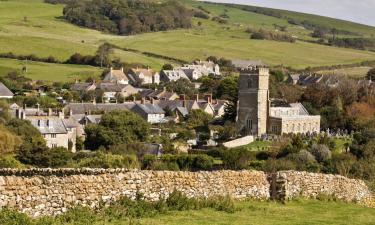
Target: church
x,y
257,115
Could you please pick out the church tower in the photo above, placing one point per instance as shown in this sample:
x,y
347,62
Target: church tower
x,y
253,105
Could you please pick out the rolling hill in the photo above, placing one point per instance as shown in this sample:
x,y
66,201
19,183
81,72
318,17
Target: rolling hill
x,y
35,27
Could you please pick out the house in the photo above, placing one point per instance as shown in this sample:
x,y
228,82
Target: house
x,y
211,67
116,76
151,112
219,107
304,79
83,87
90,108
246,64
162,94
192,73
111,90
172,75
5,92
141,76
55,129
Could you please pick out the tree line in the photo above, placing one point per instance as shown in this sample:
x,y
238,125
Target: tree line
x,y
127,17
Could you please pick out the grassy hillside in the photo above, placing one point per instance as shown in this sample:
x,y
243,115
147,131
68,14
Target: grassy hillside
x,y
34,27
270,213
48,71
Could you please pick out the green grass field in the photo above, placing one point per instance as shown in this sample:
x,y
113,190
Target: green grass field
x,y
48,71
34,27
355,72
302,212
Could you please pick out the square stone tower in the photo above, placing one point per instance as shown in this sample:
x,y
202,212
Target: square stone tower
x,y
253,105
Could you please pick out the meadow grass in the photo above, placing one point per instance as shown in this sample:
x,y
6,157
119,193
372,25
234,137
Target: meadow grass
x,y
34,27
49,71
354,72
300,212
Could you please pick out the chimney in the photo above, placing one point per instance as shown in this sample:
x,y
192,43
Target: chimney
x,y
39,123
134,98
122,69
143,100
49,112
153,101
196,97
182,97
208,98
76,81
164,89
70,112
61,115
38,108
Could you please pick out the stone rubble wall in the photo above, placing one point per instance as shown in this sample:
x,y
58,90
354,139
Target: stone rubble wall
x,y
52,191
312,185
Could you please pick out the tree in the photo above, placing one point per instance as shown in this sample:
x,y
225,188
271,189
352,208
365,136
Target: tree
x,y
103,54
198,118
167,66
182,86
116,127
8,141
371,74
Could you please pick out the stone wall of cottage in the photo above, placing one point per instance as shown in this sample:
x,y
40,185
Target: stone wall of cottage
x,y
50,192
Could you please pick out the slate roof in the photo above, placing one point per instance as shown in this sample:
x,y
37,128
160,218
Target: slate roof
x,y
50,125
173,104
82,108
174,75
148,108
4,91
80,86
157,94
112,87
302,109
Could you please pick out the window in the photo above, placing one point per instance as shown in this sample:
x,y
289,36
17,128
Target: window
x,y
53,135
249,83
249,124
54,145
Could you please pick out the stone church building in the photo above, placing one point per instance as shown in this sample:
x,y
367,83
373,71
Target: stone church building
x,y
257,115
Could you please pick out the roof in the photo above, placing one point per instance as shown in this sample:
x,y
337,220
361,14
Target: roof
x,y
94,118
240,63
4,91
80,86
174,74
115,75
112,87
146,72
302,109
294,76
152,149
70,123
148,108
173,104
157,94
49,125
82,108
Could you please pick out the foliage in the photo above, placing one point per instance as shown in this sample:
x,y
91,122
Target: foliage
x,y
108,160
188,162
268,35
198,118
128,17
181,86
8,141
371,74
116,127
9,161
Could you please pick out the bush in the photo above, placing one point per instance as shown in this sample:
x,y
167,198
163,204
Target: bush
x,y
10,162
108,160
321,152
178,162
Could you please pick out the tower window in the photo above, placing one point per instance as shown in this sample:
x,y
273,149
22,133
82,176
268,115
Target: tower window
x,y
250,83
249,124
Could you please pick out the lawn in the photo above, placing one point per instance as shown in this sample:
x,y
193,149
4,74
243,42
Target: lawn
x,y
49,71
34,27
308,212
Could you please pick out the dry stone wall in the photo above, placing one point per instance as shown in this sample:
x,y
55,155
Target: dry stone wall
x,y
294,184
50,192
